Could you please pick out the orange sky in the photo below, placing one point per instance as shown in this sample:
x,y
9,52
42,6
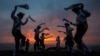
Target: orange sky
x,y
27,30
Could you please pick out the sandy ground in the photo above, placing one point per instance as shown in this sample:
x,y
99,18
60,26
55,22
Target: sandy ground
x,y
48,53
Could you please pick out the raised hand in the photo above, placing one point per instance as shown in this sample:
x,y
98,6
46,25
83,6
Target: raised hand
x,y
25,6
74,5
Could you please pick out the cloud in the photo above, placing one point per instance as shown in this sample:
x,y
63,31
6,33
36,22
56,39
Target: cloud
x,y
51,12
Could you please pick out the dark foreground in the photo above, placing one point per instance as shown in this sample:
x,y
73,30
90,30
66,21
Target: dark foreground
x,y
48,53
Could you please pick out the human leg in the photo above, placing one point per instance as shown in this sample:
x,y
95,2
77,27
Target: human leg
x,y
81,30
23,38
17,43
17,39
35,46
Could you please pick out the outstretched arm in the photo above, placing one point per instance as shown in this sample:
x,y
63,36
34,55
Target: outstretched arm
x,y
44,29
32,19
62,32
25,22
64,19
48,37
75,5
13,12
61,26
75,24
41,24
69,22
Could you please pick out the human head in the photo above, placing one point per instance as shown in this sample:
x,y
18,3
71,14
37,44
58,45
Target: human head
x,y
20,15
38,27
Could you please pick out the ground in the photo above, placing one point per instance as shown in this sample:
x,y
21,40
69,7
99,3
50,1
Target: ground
x,y
49,52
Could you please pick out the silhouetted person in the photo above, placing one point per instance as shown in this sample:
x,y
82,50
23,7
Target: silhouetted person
x,y
58,42
27,45
81,23
42,41
16,30
69,37
42,38
37,40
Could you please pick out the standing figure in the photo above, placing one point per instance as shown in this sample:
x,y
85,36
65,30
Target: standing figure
x,y
58,42
69,37
42,41
37,40
81,23
16,30
27,45
42,38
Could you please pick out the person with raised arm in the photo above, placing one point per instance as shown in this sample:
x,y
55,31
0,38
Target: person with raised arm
x,y
69,37
81,24
36,37
42,38
16,30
